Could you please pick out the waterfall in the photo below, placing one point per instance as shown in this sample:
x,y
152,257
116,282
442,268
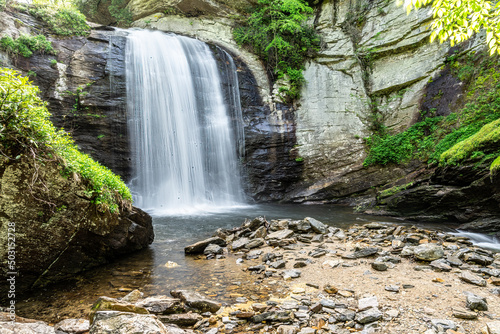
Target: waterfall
x,y
183,146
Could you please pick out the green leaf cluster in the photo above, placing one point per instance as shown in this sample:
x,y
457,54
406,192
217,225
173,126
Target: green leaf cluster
x,y
120,13
429,139
278,33
457,21
26,45
25,127
61,18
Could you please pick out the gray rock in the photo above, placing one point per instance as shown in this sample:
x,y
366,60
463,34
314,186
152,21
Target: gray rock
x,y
161,305
213,249
239,244
114,322
444,324
392,288
318,238
73,326
272,316
366,303
315,253
365,252
255,223
464,314
368,316
316,225
408,251
345,314
254,254
327,303
278,264
379,266
493,327
440,265
389,258
292,273
454,260
307,330
184,320
300,226
280,235
254,243
258,268
261,232
132,296
199,247
340,235
469,277
38,327
300,264
477,258
285,329
374,226
196,300
475,302
428,252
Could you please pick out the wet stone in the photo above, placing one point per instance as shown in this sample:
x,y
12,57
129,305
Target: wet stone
x,y
213,249
161,304
199,247
196,300
186,319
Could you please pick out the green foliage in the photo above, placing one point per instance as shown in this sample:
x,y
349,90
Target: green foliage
x,y
495,166
414,142
3,4
277,32
25,127
429,139
25,45
53,62
393,190
61,18
486,138
122,15
457,21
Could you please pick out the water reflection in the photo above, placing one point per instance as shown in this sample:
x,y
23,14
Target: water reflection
x,y
148,270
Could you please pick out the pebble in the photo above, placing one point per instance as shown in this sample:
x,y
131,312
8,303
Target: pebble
x,y
475,302
366,303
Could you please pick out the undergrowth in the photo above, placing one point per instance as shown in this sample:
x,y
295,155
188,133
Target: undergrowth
x,y
62,18
277,32
25,128
429,139
26,45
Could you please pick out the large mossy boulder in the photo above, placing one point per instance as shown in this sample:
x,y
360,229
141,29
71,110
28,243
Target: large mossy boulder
x,y
58,230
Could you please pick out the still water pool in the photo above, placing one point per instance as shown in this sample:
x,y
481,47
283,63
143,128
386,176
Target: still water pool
x,y
150,270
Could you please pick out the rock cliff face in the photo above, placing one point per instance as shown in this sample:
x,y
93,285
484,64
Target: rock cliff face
x,y
374,69
57,231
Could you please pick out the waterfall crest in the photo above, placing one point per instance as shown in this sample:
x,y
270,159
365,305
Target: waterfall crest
x,y
183,147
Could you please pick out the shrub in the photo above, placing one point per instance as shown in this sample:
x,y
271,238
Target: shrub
x,y
25,45
277,32
25,127
61,18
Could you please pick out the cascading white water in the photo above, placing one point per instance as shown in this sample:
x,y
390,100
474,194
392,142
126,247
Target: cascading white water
x,y
184,150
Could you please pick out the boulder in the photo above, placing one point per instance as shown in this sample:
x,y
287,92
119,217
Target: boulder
x,y
316,225
428,252
73,326
111,304
161,305
199,247
196,300
115,322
